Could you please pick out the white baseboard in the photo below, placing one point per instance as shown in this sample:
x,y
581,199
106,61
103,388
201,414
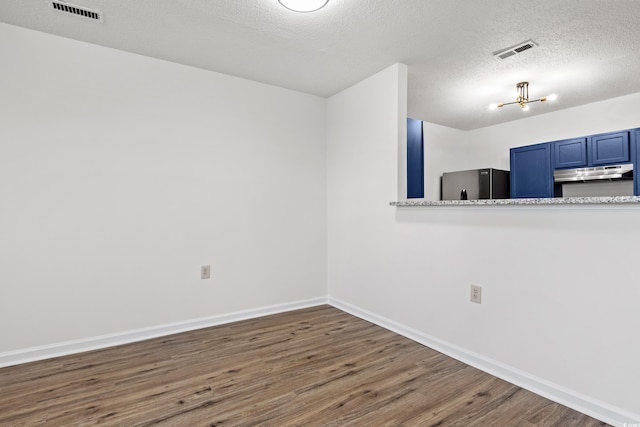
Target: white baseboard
x,y
562,395
94,343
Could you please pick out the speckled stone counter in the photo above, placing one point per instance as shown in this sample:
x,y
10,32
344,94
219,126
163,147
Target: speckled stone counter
x,y
617,200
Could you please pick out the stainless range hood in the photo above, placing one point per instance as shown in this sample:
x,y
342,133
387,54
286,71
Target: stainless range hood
x,y
594,174
614,180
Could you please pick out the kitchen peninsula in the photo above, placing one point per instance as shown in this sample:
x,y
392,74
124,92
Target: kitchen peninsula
x,y
612,200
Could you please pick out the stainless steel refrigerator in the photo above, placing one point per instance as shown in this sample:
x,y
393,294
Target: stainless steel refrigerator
x,y
475,184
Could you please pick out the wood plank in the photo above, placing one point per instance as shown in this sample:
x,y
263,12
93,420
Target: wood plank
x,y
313,367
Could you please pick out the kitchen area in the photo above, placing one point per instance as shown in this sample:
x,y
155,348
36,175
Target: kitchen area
x,y
591,169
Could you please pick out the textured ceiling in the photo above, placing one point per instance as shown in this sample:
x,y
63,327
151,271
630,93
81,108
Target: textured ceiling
x,y
588,50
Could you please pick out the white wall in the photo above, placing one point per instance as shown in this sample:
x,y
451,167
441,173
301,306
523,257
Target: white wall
x,y
556,312
120,175
489,147
445,150
362,133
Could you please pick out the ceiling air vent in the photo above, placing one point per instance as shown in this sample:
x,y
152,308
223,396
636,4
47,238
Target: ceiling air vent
x,y
81,11
513,50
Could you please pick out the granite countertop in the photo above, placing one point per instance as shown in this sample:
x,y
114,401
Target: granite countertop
x,y
614,200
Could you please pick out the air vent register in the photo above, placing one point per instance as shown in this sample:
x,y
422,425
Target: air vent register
x,y
80,11
514,50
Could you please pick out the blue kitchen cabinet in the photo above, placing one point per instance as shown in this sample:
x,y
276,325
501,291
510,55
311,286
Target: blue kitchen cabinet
x,y
415,159
532,171
609,148
635,157
570,153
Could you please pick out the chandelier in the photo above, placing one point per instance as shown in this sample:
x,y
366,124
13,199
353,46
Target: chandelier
x,y
523,98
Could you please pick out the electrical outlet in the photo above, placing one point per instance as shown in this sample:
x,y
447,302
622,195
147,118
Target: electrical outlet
x,y
476,294
205,272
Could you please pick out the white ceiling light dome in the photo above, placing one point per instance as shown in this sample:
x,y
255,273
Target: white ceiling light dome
x,y
304,5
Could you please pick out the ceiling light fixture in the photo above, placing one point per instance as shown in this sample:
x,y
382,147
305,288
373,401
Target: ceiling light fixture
x,y
523,98
304,5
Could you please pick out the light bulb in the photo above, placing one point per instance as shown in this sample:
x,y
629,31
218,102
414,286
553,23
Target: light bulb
x,y
493,106
525,108
552,97
304,5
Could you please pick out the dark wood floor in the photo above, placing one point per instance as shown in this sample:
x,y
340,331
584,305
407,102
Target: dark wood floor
x,y
311,367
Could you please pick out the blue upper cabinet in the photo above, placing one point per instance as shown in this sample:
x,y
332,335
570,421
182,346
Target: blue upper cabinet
x,y
532,171
635,158
609,148
570,153
532,166
415,159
